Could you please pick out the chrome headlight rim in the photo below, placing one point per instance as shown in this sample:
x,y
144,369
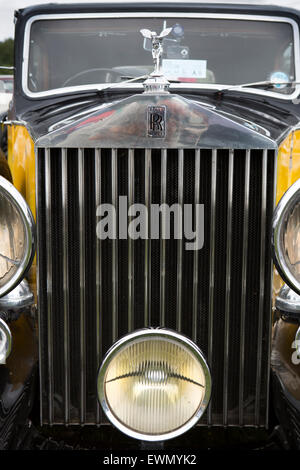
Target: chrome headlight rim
x,y
162,333
17,200
297,342
5,329
283,209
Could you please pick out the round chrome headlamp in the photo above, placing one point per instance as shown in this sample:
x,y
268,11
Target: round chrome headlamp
x,y
154,384
286,237
17,237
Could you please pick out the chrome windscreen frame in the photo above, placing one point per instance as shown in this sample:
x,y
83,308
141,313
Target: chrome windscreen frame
x,y
177,86
140,335
281,213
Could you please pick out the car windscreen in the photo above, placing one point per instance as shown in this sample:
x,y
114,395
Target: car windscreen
x,y
92,51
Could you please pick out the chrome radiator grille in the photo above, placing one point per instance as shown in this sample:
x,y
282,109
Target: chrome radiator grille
x,y
92,291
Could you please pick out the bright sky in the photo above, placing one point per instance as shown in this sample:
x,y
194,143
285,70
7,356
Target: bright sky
x,y
7,8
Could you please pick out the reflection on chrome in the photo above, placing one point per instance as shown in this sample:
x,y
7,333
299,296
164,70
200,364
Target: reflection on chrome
x,y
5,341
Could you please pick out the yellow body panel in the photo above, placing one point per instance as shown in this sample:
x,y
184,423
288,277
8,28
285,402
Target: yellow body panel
x,y
288,171
288,164
21,160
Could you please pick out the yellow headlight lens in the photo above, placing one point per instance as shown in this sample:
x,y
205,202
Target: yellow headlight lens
x,y
154,385
12,240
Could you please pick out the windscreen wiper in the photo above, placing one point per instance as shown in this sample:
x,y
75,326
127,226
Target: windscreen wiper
x,y
264,84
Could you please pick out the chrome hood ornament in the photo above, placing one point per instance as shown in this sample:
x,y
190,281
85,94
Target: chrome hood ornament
x,y
156,83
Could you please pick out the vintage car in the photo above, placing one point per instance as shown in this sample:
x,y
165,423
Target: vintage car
x,y
153,166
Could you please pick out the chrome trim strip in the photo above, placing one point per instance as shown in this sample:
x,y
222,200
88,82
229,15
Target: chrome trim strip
x,y
38,263
163,198
179,243
212,262
196,252
275,19
82,284
244,287
114,196
147,267
130,244
144,334
49,279
262,281
64,191
271,293
228,282
297,340
98,271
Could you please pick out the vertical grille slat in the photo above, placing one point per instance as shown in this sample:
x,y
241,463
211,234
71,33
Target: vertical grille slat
x,y
228,285
40,213
147,269
130,244
262,282
272,181
179,242
244,287
162,240
64,178
49,278
114,196
91,291
212,264
196,254
98,270
81,203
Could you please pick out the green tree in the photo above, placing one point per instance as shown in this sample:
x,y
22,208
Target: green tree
x,y
6,55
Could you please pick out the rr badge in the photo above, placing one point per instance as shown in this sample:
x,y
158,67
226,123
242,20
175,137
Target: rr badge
x,y
157,121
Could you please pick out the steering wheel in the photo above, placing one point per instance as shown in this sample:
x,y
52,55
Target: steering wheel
x,y
94,76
